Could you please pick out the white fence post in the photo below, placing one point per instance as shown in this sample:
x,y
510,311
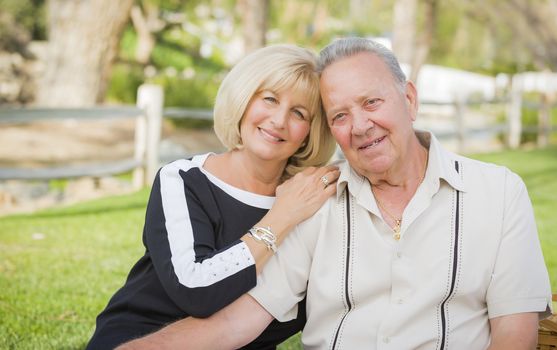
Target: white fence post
x,y
544,121
514,113
150,98
460,110
138,178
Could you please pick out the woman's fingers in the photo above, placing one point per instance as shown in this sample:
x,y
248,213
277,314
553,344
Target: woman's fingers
x,y
328,175
301,196
304,185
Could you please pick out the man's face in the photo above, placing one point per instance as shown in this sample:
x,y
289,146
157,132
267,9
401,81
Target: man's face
x,y
369,114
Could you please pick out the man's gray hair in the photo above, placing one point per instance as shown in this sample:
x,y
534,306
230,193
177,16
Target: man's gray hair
x,y
346,47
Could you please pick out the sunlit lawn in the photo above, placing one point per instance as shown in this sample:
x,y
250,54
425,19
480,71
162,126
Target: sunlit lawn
x,y
59,267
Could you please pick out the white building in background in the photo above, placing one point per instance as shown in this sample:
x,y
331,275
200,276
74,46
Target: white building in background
x,y
444,84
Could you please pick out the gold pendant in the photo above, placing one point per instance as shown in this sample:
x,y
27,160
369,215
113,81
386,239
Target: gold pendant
x,y
396,235
396,230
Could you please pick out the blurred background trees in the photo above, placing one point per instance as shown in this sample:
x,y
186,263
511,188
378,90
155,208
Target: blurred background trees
x,y
83,40
93,51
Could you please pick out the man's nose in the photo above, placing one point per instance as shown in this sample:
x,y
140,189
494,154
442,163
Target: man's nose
x,y
361,123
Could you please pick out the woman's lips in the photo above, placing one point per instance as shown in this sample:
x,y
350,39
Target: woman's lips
x,y
269,135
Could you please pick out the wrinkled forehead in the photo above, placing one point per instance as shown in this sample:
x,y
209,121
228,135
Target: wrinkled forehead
x,y
355,77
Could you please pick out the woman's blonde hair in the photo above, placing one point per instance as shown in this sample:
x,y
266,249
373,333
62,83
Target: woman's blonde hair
x,y
274,68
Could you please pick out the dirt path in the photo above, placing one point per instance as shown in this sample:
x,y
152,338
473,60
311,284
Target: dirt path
x,y
66,142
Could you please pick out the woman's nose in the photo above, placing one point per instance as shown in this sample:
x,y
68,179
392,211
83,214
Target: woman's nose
x,y
279,117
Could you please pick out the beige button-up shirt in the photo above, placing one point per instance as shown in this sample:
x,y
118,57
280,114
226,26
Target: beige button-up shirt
x,y
469,251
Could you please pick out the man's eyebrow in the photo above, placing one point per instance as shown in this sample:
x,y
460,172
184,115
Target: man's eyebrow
x,y
333,111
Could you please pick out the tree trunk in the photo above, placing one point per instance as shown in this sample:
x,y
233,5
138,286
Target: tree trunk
x,y
254,15
423,45
83,41
404,29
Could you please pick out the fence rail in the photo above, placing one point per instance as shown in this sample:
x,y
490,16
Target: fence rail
x,y
67,172
27,115
149,112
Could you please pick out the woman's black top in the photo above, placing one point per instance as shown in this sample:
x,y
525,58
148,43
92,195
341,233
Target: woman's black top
x,y
195,263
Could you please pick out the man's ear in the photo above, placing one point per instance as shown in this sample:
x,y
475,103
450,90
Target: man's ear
x,y
411,95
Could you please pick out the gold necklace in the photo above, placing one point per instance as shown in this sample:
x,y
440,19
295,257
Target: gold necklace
x,y
398,221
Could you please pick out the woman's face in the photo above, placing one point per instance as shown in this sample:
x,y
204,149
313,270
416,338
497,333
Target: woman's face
x,y
275,124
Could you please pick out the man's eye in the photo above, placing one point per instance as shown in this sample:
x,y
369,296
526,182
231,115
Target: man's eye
x,y
339,116
372,102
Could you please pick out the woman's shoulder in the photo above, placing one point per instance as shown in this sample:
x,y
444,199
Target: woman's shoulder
x,y
182,165
180,173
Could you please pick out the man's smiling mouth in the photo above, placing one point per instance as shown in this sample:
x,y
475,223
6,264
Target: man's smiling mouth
x,y
372,144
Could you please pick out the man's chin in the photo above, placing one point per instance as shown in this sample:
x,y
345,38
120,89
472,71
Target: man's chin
x,y
367,168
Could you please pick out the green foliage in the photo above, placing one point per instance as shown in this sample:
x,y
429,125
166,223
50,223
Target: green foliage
x,y
124,82
165,55
188,79
30,14
195,93
128,43
459,41
59,267
530,117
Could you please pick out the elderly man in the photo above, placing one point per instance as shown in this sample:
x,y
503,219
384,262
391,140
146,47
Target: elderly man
x,y
419,249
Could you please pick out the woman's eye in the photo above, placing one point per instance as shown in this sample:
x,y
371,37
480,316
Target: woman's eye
x,y
270,99
299,114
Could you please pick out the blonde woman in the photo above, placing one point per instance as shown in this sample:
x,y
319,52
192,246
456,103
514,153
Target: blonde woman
x,y
213,221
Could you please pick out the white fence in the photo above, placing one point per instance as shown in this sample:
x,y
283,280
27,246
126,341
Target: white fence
x,y
149,113
148,116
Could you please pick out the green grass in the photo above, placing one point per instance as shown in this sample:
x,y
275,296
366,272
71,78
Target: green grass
x,y
538,169
51,289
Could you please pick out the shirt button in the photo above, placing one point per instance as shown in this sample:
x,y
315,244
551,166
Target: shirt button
x,y
386,340
399,255
400,301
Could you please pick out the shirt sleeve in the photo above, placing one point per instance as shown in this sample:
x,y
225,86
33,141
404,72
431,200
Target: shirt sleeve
x,y
284,279
520,281
199,285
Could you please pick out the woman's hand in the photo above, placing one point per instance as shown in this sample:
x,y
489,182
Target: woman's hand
x,y
302,195
296,200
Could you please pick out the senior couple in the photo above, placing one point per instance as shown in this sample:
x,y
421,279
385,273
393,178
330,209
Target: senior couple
x,y
404,245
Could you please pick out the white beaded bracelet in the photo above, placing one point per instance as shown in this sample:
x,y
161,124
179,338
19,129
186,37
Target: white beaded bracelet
x,y
265,236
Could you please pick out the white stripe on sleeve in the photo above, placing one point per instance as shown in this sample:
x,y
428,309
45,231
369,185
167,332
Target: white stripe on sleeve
x,y
180,236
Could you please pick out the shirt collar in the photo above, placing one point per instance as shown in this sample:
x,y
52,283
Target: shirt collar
x,y
348,178
441,165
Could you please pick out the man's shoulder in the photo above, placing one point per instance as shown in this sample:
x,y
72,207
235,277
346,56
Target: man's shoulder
x,y
482,166
482,174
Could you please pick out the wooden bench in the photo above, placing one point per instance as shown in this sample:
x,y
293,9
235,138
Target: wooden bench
x,y
547,332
